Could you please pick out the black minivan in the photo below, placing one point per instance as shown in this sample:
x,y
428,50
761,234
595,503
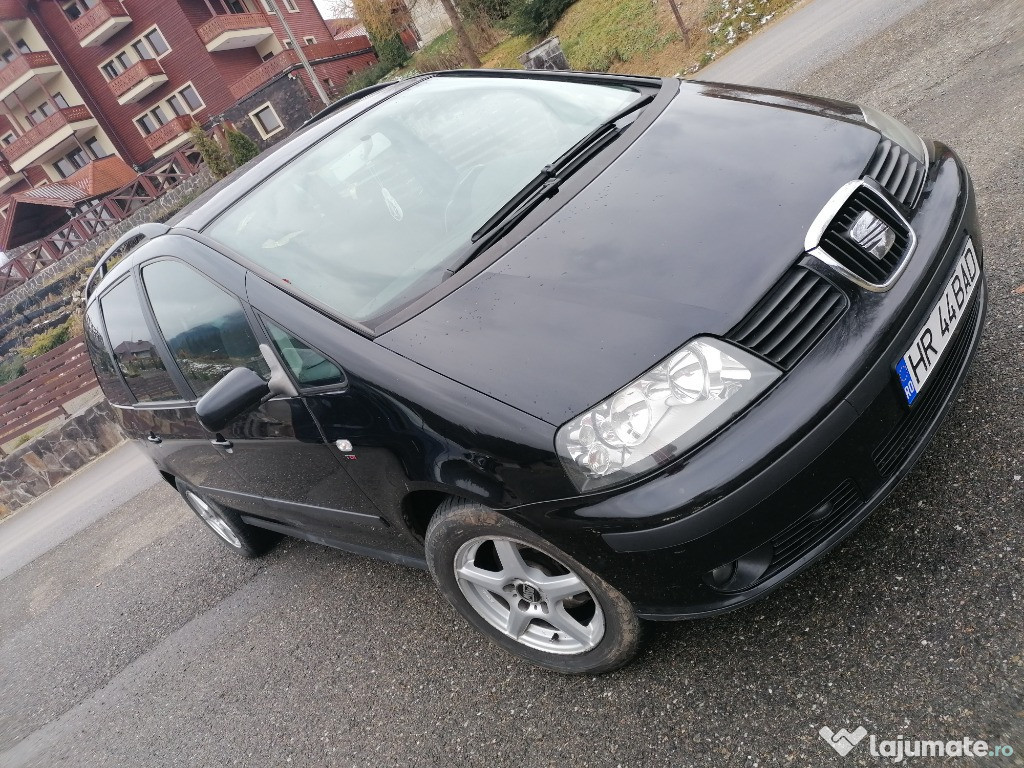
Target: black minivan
x,y
591,348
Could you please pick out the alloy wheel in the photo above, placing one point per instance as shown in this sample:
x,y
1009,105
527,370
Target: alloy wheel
x,y
528,595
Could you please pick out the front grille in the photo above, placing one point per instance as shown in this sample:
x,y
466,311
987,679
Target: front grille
x,y
893,452
813,528
851,256
792,318
897,171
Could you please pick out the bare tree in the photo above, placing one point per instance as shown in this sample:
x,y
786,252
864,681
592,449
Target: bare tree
x,y
465,45
683,28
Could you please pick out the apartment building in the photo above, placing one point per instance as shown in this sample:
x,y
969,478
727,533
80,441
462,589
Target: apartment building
x,y
82,80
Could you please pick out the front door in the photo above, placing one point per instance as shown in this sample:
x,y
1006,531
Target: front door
x,y
277,451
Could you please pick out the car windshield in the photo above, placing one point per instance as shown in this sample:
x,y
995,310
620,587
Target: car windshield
x,y
369,217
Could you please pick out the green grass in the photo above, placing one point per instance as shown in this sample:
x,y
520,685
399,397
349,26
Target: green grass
x,y
596,34
505,55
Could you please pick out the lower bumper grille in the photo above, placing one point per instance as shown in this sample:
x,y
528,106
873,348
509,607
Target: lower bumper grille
x,y
812,529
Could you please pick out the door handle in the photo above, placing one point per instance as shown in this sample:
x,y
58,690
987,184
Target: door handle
x,y
154,439
220,442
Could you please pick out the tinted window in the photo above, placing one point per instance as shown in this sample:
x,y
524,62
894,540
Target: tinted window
x,y
102,360
310,368
133,347
204,325
368,218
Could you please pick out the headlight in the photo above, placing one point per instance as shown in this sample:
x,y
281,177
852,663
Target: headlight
x,y
670,408
896,131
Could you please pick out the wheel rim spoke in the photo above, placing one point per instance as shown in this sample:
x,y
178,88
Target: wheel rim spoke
x,y
561,620
489,580
518,621
557,588
512,563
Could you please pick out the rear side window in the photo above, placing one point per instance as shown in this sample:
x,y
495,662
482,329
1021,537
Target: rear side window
x,y
204,326
310,368
132,345
102,360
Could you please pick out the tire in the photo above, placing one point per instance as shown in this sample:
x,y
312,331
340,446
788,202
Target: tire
x,y
242,539
526,595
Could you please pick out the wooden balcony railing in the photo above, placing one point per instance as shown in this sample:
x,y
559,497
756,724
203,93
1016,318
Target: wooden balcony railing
x,y
96,17
12,10
230,22
268,70
22,64
168,132
45,130
134,75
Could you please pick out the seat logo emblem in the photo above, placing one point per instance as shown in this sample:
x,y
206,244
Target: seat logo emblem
x,y
872,234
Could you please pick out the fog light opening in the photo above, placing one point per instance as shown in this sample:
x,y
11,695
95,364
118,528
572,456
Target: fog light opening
x,y
743,573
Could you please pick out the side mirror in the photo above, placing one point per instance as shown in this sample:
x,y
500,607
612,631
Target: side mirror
x,y
240,391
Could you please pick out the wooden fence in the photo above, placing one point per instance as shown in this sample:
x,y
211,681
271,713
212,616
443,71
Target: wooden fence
x,y
49,383
100,216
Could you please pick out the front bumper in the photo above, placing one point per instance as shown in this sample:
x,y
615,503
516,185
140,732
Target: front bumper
x,y
794,476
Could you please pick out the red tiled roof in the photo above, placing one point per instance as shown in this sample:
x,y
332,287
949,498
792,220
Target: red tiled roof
x,y
32,213
103,175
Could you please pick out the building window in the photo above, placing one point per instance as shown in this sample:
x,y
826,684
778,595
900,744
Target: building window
x,y
185,101
156,42
95,148
60,101
309,40
288,44
73,161
266,121
8,138
77,8
9,54
191,97
150,45
289,4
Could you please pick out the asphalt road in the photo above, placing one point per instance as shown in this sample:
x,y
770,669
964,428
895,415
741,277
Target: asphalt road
x,y
140,641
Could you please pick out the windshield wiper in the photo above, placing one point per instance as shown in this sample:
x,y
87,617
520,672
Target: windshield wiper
x,y
546,183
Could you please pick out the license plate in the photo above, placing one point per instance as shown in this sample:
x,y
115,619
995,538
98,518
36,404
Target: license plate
x,y
930,343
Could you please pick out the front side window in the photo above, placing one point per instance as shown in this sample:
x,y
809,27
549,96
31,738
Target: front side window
x,y
204,326
371,216
309,367
133,347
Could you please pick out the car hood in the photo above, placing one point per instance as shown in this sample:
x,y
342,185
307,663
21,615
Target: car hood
x,y
680,236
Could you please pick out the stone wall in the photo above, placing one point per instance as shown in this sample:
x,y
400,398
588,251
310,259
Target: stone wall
x,y
36,467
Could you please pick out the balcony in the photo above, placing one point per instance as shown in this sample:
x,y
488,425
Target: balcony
x,y
138,81
234,30
19,73
270,69
170,136
100,23
13,10
8,177
31,147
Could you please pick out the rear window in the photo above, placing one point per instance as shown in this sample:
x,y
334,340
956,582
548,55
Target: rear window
x,y
132,344
102,360
370,217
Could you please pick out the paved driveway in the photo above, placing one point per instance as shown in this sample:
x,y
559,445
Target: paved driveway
x,y
139,641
